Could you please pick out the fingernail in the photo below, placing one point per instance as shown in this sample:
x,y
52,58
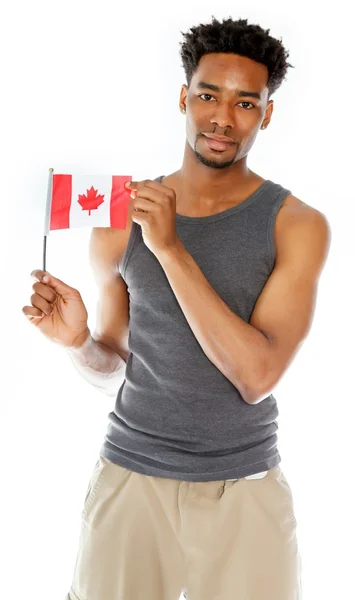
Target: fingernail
x,y
128,183
45,278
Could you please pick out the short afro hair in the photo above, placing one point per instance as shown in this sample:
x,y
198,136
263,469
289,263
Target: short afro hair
x,y
236,37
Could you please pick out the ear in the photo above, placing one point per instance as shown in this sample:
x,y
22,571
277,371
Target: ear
x,y
183,95
268,112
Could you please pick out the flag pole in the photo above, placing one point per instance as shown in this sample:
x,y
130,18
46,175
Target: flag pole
x,y
47,215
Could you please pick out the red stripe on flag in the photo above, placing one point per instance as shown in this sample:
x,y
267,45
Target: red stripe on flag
x,y
120,199
61,201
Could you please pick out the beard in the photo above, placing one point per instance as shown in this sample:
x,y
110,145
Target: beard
x,y
209,162
212,163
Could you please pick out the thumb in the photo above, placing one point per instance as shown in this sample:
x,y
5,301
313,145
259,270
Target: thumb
x,y
53,282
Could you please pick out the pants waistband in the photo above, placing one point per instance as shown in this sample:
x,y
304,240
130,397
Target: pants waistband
x,y
255,476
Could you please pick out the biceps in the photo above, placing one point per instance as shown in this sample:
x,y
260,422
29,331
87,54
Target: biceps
x,y
284,314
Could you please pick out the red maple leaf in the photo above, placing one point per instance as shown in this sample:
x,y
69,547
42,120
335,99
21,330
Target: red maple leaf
x,y
92,201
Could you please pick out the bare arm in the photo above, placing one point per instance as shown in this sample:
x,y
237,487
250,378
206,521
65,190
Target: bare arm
x,y
101,366
101,357
254,355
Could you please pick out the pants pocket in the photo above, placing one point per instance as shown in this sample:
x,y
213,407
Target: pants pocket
x,y
94,484
107,477
90,485
273,496
283,499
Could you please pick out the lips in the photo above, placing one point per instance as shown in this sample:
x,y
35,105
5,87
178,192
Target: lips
x,y
218,138
218,145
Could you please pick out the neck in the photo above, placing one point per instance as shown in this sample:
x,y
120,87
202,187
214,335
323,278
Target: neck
x,y
200,183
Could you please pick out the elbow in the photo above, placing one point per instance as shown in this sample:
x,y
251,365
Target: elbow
x,y
258,386
258,390
249,394
254,397
261,384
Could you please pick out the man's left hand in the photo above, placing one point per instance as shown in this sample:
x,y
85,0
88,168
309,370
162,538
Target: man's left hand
x,y
156,214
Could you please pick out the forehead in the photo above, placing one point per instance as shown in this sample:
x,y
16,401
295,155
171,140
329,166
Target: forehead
x,y
231,71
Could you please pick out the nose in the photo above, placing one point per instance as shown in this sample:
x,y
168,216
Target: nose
x,y
222,115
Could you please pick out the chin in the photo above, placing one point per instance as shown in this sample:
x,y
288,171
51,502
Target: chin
x,y
213,164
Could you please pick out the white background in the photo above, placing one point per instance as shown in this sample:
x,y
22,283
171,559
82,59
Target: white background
x,y
93,87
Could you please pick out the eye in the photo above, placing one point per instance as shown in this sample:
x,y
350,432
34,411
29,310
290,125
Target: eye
x,y
252,105
200,96
209,96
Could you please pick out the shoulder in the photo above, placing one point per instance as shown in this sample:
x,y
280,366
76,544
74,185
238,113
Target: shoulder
x,y
301,228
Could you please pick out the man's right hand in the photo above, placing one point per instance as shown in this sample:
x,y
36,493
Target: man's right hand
x,y
57,310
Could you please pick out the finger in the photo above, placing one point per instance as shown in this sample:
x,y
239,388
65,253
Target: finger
x,y
149,195
142,205
32,313
42,304
131,184
38,274
56,284
139,220
151,190
152,195
137,185
154,185
45,291
140,217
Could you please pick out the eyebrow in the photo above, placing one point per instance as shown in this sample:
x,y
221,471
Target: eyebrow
x,y
241,93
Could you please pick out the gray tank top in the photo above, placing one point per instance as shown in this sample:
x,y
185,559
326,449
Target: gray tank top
x,y
176,415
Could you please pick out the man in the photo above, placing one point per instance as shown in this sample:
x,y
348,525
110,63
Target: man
x,y
204,301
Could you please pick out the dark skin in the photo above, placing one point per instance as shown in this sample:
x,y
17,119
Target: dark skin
x,y
254,355
206,177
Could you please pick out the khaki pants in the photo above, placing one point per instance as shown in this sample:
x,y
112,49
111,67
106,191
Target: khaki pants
x,y
150,538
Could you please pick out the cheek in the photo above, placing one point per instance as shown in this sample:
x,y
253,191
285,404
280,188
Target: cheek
x,y
191,131
248,142
197,118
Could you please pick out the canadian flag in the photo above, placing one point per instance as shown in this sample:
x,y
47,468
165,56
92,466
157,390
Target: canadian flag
x,y
88,201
